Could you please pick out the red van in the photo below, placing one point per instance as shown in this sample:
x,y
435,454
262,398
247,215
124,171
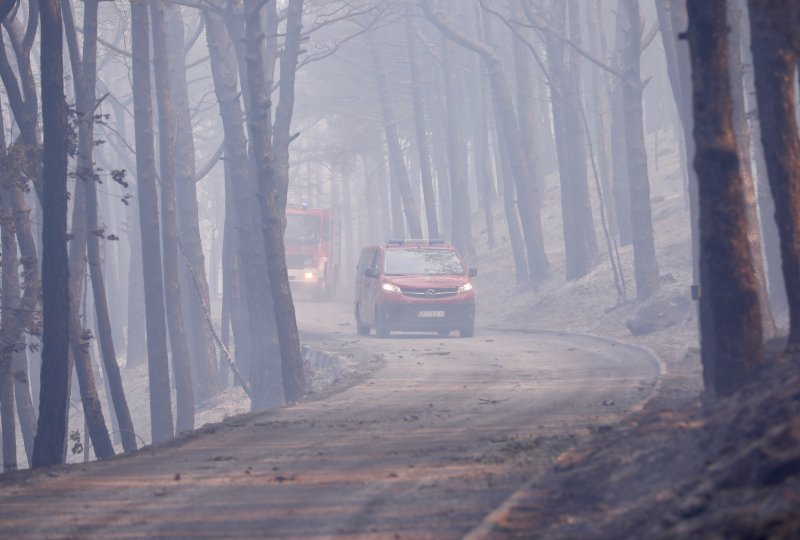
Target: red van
x,y
413,286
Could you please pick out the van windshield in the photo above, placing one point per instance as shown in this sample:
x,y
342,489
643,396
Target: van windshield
x,y
435,262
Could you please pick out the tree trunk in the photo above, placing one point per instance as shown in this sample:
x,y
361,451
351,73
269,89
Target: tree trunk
x,y
774,44
396,162
198,335
10,338
456,145
181,368
621,191
580,241
86,80
261,356
731,338
274,186
644,252
155,323
52,426
672,20
419,123
600,85
743,142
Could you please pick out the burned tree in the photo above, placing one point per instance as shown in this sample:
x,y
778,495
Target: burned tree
x,y
51,432
731,334
774,42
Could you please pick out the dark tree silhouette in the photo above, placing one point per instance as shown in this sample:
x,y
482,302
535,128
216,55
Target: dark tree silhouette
x,y
774,42
48,448
731,334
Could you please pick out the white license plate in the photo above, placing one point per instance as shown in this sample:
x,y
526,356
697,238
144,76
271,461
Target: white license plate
x,y
430,314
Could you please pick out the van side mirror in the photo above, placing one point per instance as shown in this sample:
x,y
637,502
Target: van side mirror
x,y
473,272
370,272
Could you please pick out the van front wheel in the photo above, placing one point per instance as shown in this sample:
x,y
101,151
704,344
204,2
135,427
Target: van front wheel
x,y
361,328
467,331
381,327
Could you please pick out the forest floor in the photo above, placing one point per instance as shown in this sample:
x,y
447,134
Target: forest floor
x,y
682,466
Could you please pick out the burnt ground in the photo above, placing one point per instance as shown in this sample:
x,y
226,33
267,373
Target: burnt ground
x,y
730,469
680,467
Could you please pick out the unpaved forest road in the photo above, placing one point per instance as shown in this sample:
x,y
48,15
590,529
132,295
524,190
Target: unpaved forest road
x,y
423,448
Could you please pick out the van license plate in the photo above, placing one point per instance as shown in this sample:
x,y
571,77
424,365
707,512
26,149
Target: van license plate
x,y
430,314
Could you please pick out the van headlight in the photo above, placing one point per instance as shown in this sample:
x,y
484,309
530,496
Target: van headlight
x,y
389,287
309,275
466,287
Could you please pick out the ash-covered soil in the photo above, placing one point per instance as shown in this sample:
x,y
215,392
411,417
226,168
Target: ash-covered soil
x,y
679,468
730,469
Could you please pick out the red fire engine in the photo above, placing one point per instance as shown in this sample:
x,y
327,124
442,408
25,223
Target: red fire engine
x,y
313,244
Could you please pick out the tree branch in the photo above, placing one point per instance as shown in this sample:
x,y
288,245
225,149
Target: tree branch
x,y
6,7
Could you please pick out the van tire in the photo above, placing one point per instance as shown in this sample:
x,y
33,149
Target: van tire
x,y
361,328
467,331
381,328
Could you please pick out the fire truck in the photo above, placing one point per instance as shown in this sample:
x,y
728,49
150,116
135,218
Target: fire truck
x,y
313,250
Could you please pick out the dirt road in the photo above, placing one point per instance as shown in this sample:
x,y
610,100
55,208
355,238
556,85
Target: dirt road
x,y
423,447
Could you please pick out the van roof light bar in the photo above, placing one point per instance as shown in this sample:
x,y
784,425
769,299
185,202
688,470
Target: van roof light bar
x,y
400,242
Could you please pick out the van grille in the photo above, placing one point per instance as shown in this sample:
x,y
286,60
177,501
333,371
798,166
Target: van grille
x,y
432,292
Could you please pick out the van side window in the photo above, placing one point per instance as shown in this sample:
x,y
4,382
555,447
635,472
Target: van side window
x,y
366,259
374,262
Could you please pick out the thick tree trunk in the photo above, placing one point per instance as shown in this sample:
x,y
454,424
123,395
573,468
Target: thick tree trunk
x,y
731,338
52,426
155,323
644,252
181,367
743,142
766,206
774,44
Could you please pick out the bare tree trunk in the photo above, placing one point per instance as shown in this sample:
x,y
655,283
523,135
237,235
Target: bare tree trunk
x,y
10,338
731,338
600,83
456,143
274,185
774,44
155,323
766,206
621,191
199,340
419,123
396,162
85,82
251,313
181,368
672,20
644,252
743,141
51,433
580,241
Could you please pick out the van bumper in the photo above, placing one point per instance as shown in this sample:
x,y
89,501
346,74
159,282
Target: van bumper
x,y
433,316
